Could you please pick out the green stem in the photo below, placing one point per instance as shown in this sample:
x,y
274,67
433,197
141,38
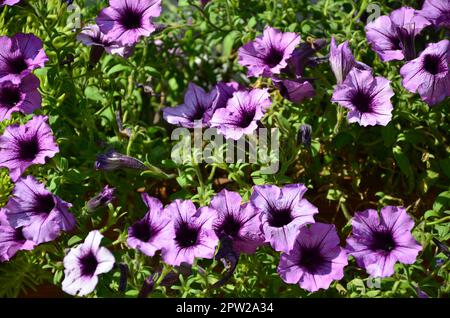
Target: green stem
x,y
444,219
211,175
166,270
345,211
130,142
208,20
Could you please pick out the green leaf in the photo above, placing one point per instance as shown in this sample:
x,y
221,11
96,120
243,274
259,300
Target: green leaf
x,y
117,68
442,202
93,93
228,43
74,240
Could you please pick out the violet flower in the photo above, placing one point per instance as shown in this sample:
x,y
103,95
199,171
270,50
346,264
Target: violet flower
x,y
41,214
19,56
303,56
315,260
283,212
242,113
24,145
192,233
437,11
151,233
197,109
91,35
12,240
429,74
84,263
126,21
225,92
240,223
294,90
268,53
8,2
342,60
23,97
367,98
378,242
392,37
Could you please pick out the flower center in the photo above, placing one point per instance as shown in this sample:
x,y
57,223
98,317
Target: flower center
x,y
230,226
273,58
142,231
44,203
10,96
198,115
362,101
18,235
186,236
279,217
89,264
28,149
432,64
383,241
18,65
131,19
311,259
246,117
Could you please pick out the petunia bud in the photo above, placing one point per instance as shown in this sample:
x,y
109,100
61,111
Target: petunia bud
x,y
113,160
123,277
101,199
147,287
228,257
304,135
95,54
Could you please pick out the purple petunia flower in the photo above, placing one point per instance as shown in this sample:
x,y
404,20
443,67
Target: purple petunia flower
x,y
103,198
23,97
378,242
242,113
126,21
152,232
91,35
342,60
437,11
315,260
392,37
239,223
268,53
19,55
225,92
42,214
25,145
191,232
294,90
11,240
8,2
304,56
367,97
283,212
84,263
197,109
429,74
